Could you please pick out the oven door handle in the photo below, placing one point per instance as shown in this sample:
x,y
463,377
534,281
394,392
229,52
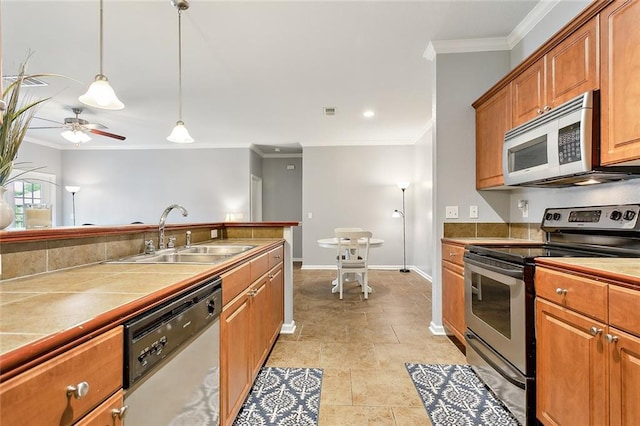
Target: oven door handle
x,y
515,273
502,369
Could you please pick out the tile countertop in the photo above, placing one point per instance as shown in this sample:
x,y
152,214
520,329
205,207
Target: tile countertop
x,y
625,270
42,312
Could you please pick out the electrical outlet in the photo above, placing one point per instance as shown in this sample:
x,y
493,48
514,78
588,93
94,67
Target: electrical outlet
x,y
451,212
473,212
214,233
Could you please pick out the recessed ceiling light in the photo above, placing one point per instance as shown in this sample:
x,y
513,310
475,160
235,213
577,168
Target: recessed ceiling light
x,y
368,114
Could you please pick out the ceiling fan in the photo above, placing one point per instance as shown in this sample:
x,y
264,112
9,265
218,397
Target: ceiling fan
x,y
77,128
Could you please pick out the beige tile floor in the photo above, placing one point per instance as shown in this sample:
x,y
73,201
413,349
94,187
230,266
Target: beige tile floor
x,y
362,346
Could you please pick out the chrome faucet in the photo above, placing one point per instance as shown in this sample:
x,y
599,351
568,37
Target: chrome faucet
x,y
163,219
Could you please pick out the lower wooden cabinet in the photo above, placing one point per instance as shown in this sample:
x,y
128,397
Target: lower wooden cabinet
x,y
64,389
110,413
588,369
453,290
249,326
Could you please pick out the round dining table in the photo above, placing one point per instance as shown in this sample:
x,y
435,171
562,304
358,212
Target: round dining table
x,y
332,243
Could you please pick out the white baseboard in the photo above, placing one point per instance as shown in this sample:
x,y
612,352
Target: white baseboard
x,y
436,329
288,328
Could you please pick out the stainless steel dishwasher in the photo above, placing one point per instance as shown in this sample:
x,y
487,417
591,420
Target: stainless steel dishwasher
x,y
172,360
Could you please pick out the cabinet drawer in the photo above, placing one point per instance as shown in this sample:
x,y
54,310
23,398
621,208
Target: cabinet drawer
x,y
104,414
39,396
259,266
623,309
578,293
453,253
235,282
276,256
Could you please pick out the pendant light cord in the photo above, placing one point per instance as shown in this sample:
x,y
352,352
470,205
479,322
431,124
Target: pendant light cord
x,y
101,39
180,64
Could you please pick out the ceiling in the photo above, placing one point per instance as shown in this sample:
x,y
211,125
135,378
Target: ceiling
x,y
254,73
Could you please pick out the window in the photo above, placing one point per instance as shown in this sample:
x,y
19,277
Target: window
x,y
31,188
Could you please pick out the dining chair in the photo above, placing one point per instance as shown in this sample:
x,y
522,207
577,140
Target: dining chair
x,y
353,257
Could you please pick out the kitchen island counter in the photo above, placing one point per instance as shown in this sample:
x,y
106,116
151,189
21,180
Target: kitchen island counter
x,y
42,315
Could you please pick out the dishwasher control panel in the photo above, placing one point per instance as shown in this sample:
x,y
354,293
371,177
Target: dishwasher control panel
x,y
155,334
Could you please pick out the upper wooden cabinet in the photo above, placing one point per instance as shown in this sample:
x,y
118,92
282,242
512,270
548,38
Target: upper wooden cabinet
x,y
620,89
566,71
493,119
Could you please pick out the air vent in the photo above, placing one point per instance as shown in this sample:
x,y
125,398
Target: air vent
x,y
27,82
329,111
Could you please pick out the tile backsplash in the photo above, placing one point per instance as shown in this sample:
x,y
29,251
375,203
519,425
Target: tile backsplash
x,y
527,231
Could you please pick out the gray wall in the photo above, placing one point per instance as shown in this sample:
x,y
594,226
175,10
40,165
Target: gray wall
x,y
357,186
119,187
282,195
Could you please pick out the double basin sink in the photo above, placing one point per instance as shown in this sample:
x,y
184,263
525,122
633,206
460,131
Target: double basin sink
x,y
205,254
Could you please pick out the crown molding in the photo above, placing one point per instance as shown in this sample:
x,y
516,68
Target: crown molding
x,y
532,19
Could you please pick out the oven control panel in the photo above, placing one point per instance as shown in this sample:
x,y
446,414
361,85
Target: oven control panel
x,y
615,217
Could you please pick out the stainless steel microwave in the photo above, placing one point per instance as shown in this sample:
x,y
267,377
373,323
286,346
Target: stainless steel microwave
x,y
560,148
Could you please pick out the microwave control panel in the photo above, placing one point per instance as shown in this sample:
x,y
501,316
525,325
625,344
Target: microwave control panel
x,y
569,149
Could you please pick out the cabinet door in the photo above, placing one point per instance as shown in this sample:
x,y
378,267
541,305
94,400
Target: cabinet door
x,y
624,364
529,97
259,324
620,86
276,303
110,413
493,119
453,299
573,65
235,357
571,378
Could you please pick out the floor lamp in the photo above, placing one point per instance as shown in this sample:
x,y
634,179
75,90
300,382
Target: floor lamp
x,y
401,213
73,190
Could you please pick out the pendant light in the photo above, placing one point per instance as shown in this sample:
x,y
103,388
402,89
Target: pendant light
x,y
100,93
180,134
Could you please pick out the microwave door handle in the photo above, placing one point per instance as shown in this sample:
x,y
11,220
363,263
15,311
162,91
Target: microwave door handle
x,y
509,272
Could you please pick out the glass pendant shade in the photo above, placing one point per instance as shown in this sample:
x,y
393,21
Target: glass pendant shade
x,y
101,95
180,134
75,136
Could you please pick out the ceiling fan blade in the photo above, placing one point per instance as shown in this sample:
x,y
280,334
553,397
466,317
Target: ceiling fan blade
x,y
46,127
46,119
107,134
94,126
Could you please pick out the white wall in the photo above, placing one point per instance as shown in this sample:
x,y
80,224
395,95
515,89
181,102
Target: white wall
x,y
357,186
120,187
422,212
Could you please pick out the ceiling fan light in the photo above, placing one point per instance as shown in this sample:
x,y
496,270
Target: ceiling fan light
x,y
180,134
75,136
101,95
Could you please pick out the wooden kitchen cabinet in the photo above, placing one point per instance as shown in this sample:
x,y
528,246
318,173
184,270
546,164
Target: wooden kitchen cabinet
x,y
41,395
620,86
571,379
566,71
249,326
588,370
109,413
493,119
453,290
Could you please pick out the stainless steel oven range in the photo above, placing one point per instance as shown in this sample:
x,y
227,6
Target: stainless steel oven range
x,y
172,353
500,293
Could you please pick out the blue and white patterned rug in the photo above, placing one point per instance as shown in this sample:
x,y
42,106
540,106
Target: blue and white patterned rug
x,y
454,395
283,396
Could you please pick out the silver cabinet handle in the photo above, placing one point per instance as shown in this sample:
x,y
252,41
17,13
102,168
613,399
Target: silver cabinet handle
x,y
78,391
539,111
120,413
610,338
277,256
546,108
451,254
595,331
561,291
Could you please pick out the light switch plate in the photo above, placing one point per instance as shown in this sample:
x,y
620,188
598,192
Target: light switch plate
x,y
473,212
451,212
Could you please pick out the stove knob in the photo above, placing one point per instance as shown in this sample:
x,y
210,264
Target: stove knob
x,y
629,215
556,216
615,215
548,216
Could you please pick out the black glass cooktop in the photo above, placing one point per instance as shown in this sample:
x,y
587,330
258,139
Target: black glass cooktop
x,y
523,254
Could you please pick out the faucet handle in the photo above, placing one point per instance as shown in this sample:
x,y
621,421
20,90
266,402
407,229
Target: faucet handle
x,y
172,242
188,243
149,247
